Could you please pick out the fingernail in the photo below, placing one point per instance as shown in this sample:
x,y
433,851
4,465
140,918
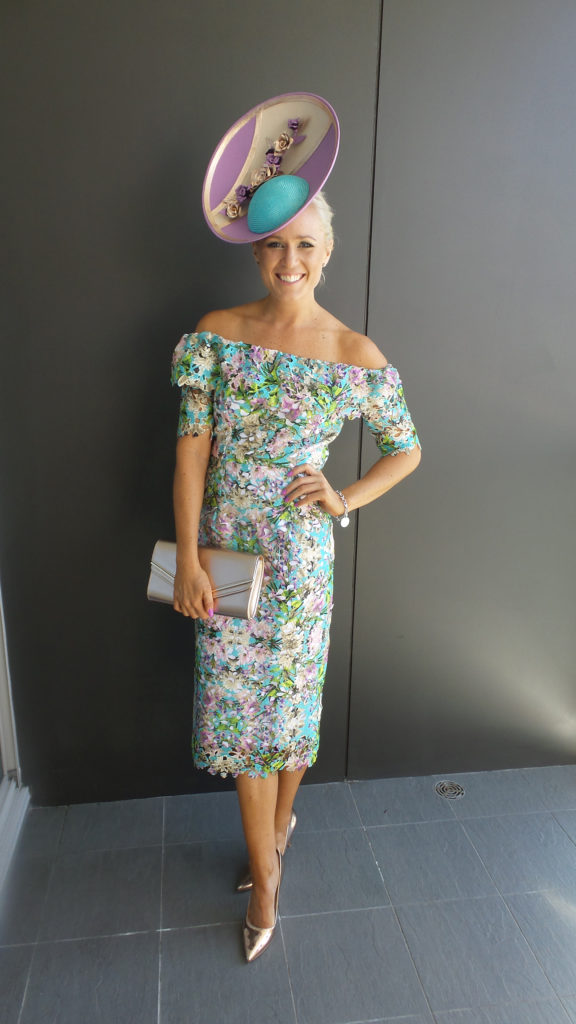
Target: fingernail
x,y
210,612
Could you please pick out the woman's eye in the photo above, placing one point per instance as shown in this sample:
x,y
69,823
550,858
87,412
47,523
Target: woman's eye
x,y
306,245
274,245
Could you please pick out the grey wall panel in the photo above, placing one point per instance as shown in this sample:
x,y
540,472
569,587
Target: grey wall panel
x,y
111,111
464,652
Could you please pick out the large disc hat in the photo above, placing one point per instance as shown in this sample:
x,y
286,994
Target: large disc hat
x,y
269,166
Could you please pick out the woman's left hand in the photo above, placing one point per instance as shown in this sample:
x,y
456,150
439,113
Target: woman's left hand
x,y
308,486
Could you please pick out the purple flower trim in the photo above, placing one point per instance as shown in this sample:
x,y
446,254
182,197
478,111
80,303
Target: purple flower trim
x,y
233,208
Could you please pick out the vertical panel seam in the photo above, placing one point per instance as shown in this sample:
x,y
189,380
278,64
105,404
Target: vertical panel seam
x,y
361,431
373,173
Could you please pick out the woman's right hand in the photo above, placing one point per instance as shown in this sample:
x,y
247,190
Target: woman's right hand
x,y
193,593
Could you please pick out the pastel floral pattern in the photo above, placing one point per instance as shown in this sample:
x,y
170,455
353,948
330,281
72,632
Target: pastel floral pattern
x,y
258,683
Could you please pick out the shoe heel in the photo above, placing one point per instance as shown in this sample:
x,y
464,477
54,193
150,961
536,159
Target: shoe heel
x,y
256,940
245,883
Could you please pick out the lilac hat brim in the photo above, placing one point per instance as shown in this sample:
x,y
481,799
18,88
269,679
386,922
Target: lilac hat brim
x,y
242,151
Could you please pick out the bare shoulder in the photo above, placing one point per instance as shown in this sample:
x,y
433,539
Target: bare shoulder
x,y
228,323
361,351
217,322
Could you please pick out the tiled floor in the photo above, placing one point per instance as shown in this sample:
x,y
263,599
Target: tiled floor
x,y
396,905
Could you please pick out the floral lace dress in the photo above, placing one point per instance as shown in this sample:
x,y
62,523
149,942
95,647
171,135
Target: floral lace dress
x,y
258,683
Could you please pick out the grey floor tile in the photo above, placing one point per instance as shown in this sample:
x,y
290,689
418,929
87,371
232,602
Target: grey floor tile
x,y
202,817
397,801
199,884
112,826
331,871
432,860
399,1020
548,921
111,980
22,899
105,892
326,806
206,980
550,1012
555,786
471,953
41,832
14,968
570,1005
524,853
500,792
567,819
396,1020
352,966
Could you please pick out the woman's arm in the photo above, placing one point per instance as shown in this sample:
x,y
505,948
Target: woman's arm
x,y
383,475
192,591
309,485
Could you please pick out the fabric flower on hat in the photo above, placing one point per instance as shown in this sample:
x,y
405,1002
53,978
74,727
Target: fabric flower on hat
x,y
233,209
262,175
283,143
295,124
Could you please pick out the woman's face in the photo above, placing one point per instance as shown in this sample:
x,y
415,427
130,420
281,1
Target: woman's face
x,y
291,260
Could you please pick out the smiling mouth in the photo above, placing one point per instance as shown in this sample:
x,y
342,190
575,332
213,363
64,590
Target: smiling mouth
x,y
290,278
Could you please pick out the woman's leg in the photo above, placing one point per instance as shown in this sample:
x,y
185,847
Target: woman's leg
x,y
258,798
288,783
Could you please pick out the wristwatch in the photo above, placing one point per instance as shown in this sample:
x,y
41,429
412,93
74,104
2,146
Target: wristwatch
x,y
343,518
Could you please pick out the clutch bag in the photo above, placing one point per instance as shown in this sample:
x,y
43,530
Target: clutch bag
x,y
236,578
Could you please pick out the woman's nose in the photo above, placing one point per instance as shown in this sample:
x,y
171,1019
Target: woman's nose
x,y
290,255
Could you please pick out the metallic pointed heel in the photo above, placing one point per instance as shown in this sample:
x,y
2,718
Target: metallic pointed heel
x,y
245,883
256,940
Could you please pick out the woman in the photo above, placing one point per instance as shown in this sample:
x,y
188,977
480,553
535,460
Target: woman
x,y
266,388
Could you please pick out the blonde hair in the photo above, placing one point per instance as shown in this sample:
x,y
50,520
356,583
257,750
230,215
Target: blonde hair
x,y
326,213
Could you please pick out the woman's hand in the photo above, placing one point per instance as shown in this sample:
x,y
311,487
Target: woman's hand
x,y
193,593
308,486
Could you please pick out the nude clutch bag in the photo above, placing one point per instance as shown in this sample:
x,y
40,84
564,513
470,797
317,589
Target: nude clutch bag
x,y
236,578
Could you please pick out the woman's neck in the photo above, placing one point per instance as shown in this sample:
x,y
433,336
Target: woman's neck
x,y
290,314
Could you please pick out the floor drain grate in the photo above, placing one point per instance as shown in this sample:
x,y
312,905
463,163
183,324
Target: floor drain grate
x,y
450,790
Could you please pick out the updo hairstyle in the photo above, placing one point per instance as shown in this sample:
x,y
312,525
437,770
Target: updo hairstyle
x,y
326,213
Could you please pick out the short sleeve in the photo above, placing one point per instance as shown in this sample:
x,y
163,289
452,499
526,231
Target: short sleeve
x,y
385,413
195,369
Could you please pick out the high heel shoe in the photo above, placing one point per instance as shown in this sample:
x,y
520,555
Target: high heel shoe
x,y
256,940
245,883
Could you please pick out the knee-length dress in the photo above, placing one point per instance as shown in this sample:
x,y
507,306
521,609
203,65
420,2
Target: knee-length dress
x,y
258,683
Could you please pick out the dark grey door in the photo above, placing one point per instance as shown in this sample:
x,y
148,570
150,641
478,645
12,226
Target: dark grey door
x,y
464,641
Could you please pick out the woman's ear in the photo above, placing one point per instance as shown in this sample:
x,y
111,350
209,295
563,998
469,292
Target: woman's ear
x,y
255,252
327,257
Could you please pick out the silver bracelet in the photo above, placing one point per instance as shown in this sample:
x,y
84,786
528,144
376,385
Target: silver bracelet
x,y
343,518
